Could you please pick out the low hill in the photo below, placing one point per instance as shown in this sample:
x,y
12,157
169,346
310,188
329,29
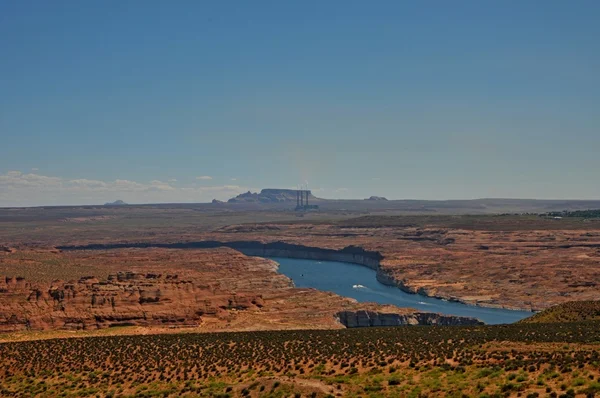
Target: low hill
x,y
574,311
377,198
116,203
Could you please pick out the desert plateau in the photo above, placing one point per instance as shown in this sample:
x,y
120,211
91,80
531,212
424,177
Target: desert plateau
x,y
184,283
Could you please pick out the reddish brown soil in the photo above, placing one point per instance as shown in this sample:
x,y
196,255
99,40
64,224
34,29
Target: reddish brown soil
x,y
206,290
526,262
531,269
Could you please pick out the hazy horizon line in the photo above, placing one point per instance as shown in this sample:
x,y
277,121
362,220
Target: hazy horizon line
x,y
109,204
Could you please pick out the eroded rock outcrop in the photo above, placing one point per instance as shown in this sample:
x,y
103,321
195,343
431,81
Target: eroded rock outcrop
x,y
125,298
216,289
365,318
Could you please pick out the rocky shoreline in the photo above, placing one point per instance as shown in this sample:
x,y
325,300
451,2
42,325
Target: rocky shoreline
x,y
385,279
349,254
205,290
364,318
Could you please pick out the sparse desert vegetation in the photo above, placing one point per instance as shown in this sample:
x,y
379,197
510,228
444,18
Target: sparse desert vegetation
x,y
556,360
573,311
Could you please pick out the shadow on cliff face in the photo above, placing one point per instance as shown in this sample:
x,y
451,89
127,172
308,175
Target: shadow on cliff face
x,y
350,254
357,319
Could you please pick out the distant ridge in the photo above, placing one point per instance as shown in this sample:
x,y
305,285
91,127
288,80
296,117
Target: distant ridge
x,y
286,199
118,202
377,198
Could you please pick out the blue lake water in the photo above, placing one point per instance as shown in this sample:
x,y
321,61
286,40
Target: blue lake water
x,y
359,282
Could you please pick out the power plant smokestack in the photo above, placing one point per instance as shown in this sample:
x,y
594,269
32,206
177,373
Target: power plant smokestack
x,y
302,198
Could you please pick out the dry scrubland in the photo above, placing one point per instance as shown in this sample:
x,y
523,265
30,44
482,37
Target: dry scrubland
x,y
526,360
574,311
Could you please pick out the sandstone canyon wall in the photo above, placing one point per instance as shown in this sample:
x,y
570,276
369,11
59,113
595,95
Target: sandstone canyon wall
x,y
365,318
124,299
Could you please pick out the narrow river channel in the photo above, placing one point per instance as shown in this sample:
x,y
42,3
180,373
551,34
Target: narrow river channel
x,y
359,282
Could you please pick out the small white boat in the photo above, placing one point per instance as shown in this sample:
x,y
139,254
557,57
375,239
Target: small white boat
x,y
358,286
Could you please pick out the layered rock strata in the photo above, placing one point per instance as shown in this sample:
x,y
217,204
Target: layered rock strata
x,y
124,299
364,318
216,289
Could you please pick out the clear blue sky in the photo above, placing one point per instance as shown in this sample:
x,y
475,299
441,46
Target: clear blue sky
x,y
407,99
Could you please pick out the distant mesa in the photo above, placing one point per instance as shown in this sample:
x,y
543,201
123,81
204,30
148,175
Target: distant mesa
x,y
217,202
270,196
380,198
116,203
